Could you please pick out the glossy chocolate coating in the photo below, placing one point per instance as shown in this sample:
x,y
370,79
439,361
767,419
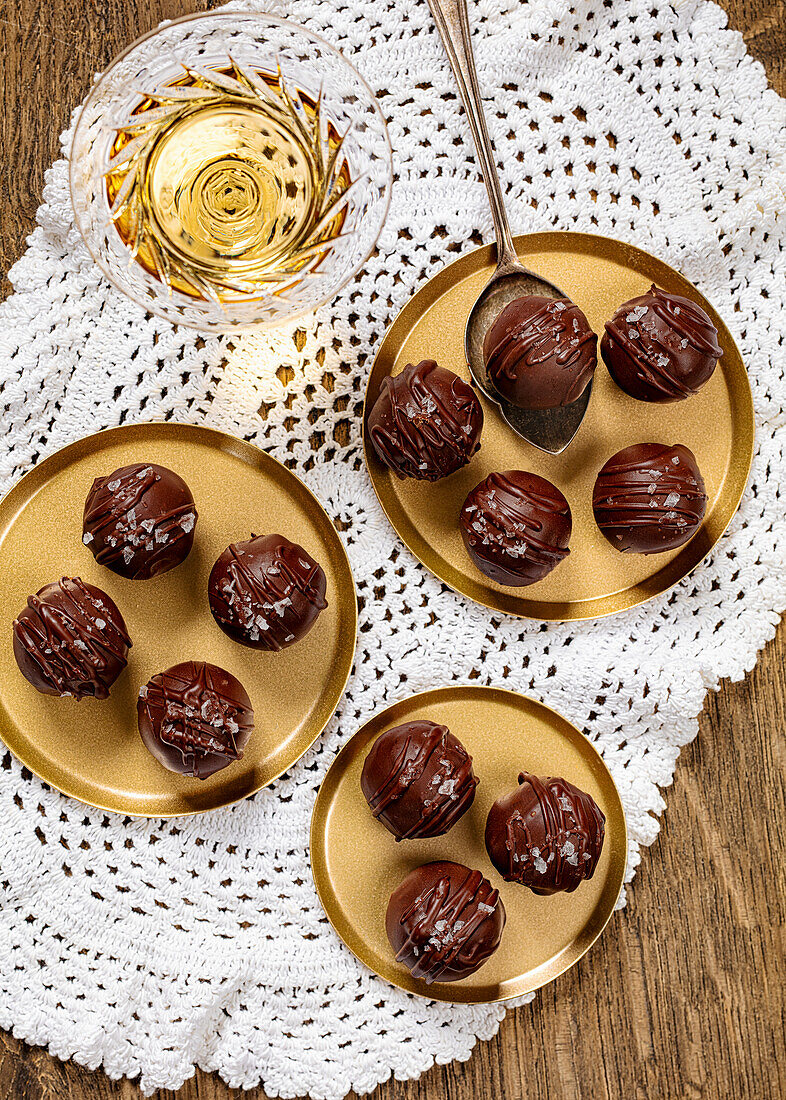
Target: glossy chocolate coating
x,y
660,347
426,422
266,593
418,780
195,718
71,640
444,921
649,498
516,527
139,521
547,834
540,353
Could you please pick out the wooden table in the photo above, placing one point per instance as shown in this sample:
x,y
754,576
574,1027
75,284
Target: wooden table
x,y
682,998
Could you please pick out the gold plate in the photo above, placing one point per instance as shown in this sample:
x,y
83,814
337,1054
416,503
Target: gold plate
x,y
357,863
599,274
91,750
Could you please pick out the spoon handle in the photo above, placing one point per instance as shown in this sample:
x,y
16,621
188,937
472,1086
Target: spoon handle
x,y
453,25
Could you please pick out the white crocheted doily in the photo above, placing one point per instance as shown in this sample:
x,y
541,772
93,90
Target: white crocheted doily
x,y
148,947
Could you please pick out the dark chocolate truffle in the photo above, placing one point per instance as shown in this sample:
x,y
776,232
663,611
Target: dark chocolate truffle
x,y
540,353
660,347
139,521
266,593
649,498
418,780
516,527
426,422
71,640
195,718
547,834
444,921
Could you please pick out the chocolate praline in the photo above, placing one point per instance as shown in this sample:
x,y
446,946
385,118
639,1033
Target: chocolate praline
x,y
444,921
540,353
195,718
139,520
516,527
267,592
418,780
71,640
649,498
546,834
660,347
426,422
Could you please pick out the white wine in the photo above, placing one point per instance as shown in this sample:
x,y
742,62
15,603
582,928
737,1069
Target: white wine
x,y
225,183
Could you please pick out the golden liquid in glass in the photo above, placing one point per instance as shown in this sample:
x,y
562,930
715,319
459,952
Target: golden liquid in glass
x,y
225,195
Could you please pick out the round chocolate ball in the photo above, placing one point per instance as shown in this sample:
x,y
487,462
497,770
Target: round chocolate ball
x,y
540,353
195,718
649,498
267,592
426,422
139,520
71,640
444,921
418,780
547,835
660,347
516,527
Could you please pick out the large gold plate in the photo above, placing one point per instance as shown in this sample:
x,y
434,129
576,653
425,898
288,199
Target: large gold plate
x,y
356,862
91,750
599,274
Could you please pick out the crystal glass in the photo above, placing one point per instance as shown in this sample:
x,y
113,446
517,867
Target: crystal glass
x,y
230,170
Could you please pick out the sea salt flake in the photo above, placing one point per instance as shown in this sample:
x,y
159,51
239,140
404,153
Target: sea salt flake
x,y
671,500
128,554
440,925
540,866
87,538
565,803
651,488
559,306
187,523
161,536
636,314
675,461
447,788
568,848
113,486
143,692
483,908
100,623
633,333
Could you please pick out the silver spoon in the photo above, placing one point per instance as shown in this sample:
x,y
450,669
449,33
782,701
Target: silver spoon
x,y
548,429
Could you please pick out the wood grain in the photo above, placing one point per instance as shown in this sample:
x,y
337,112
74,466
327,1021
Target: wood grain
x,y
682,999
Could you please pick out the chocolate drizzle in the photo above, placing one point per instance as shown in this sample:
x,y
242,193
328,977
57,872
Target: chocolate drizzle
x,y
516,527
266,593
139,521
195,718
649,498
444,921
71,640
660,347
547,835
418,780
540,353
426,422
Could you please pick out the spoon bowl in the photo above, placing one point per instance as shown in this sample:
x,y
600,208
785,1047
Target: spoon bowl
x,y
549,430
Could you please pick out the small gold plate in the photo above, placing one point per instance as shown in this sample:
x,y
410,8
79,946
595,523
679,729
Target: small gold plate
x,y
717,424
357,863
91,750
